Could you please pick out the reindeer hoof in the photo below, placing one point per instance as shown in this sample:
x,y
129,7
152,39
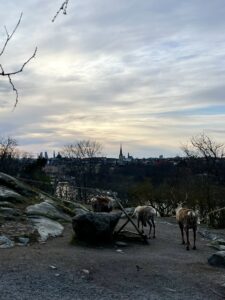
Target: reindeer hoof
x,y
154,237
187,248
183,243
194,248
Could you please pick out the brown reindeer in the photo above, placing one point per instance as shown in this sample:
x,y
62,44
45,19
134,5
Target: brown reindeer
x,y
187,219
101,204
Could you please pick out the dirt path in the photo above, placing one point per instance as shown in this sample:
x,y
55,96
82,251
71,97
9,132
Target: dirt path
x,y
165,270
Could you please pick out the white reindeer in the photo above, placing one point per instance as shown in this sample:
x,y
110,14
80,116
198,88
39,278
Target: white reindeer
x,y
145,215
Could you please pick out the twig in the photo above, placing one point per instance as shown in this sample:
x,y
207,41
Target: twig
x,y
9,74
9,36
62,8
3,73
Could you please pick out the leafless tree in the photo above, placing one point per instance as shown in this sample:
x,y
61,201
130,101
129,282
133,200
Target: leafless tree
x,y
19,70
203,149
63,9
204,146
83,149
7,147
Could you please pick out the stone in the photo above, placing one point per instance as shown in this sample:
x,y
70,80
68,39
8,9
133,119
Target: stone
x,y
7,194
217,259
93,227
6,242
46,228
221,242
121,244
47,210
218,244
6,204
9,213
16,185
52,267
208,235
22,241
79,211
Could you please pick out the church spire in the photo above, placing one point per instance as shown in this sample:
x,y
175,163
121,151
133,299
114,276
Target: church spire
x,y
121,152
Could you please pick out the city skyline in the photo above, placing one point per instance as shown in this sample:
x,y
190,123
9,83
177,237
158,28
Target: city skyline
x,y
149,75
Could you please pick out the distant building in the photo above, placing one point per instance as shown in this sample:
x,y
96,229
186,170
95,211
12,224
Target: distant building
x,y
59,156
121,156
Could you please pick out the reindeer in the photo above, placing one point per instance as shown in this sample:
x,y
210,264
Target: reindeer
x,y
187,219
145,214
101,204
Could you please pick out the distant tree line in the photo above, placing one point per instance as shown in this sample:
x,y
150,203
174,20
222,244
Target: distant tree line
x,y
196,180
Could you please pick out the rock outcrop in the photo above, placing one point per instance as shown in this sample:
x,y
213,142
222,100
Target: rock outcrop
x,y
217,259
93,227
28,215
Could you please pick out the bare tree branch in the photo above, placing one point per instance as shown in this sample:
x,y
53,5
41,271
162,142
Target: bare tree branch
x,y
9,36
9,74
62,8
203,146
83,149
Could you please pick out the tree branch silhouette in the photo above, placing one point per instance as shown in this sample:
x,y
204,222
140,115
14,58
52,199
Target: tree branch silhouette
x,y
9,74
62,8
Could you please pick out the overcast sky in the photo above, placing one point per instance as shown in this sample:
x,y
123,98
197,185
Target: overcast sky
x,y
148,74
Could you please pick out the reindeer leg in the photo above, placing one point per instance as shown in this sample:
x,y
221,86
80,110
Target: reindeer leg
x,y
187,235
194,234
141,225
150,228
182,232
153,223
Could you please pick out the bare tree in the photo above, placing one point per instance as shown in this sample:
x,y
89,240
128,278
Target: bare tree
x,y
7,147
83,149
83,167
204,146
207,154
19,70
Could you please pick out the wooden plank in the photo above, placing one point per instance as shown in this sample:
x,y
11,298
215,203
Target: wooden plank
x,y
130,219
121,228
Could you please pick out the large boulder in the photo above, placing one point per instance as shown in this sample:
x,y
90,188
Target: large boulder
x,y
93,227
46,228
29,215
16,185
217,259
8,195
48,210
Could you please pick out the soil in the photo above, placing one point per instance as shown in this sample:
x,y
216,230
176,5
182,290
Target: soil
x,y
163,269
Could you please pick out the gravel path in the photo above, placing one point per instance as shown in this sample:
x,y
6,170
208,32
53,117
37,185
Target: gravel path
x,y
161,270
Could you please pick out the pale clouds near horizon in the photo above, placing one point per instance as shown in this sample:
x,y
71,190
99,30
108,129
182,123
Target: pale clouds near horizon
x,y
149,74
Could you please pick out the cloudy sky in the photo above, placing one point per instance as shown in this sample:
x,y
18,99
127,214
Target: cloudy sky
x,y
148,74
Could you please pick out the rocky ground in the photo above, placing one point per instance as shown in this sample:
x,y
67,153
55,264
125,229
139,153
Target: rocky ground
x,y
59,269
